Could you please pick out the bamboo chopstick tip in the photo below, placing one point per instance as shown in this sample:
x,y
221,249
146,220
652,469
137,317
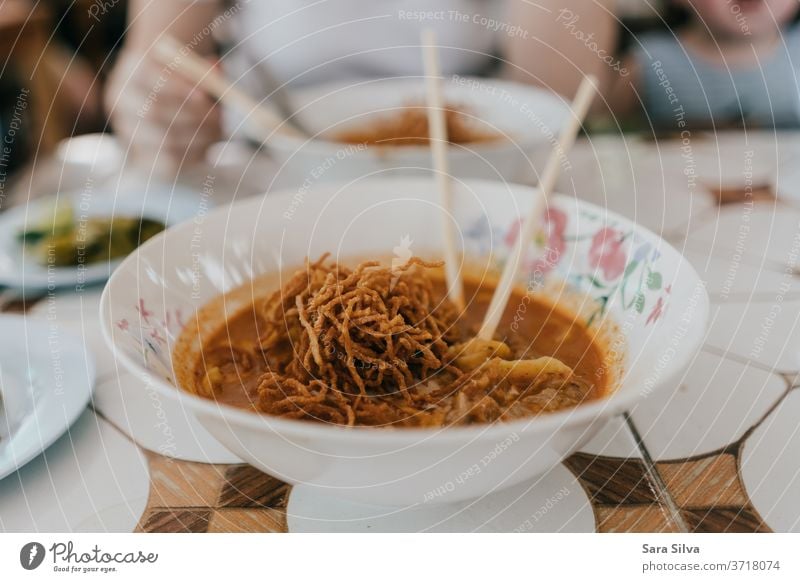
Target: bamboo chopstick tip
x,y
588,87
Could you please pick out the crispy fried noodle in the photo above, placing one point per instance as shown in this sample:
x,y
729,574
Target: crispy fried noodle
x,y
378,346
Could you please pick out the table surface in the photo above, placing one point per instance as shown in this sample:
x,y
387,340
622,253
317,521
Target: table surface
x,y
709,458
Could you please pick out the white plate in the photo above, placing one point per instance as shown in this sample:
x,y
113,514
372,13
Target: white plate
x,y
47,377
19,270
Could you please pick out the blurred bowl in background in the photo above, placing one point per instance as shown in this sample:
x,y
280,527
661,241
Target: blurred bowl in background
x,y
527,120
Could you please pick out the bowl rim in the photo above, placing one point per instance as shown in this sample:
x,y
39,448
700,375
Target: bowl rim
x,y
609,405
320,145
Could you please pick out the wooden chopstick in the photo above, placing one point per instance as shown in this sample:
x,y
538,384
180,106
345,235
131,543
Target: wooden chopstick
x,y
580,106
437,133
264,123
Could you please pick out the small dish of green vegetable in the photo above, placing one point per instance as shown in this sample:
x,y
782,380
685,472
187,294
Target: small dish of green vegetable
x,y
64,240
76,239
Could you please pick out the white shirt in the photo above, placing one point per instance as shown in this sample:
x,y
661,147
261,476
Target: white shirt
x,y
311,41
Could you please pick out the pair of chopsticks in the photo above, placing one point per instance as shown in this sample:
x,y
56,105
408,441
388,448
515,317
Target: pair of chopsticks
x,y
263,122
439,140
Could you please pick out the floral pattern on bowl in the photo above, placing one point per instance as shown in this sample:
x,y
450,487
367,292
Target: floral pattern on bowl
x,y
617,263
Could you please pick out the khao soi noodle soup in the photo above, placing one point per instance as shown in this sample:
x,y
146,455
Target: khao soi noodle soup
x,y
409,127
380,346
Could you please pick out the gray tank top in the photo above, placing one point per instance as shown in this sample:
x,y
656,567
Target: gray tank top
x,y
678,85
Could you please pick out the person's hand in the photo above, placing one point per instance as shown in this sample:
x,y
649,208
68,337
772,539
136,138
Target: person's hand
x,y
158,113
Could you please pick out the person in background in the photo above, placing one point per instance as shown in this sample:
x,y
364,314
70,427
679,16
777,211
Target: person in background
x,y
49,84
732,63
301,42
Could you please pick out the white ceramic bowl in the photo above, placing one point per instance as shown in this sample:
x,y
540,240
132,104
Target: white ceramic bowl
x,y
528,118
662,314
